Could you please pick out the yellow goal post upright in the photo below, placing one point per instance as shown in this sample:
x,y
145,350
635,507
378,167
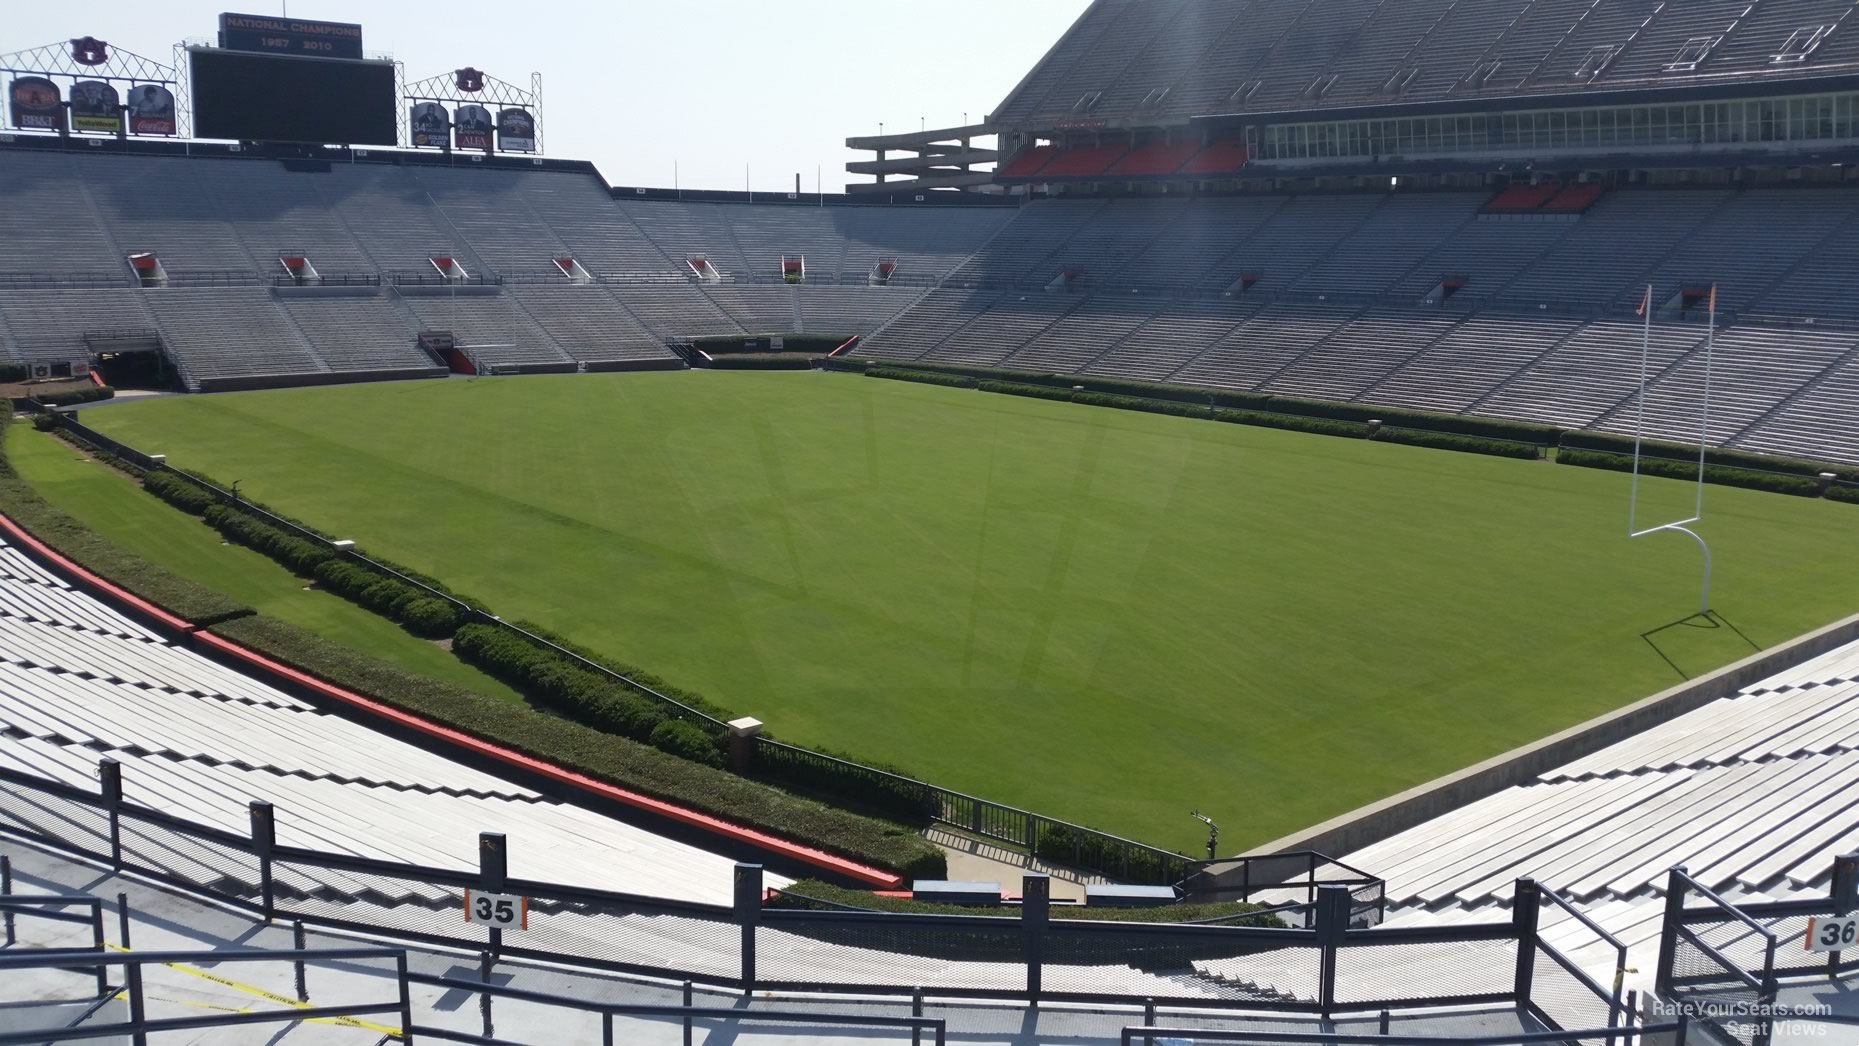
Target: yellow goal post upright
x,y
1680,526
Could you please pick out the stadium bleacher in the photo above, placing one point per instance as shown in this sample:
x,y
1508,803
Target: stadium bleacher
x,y
1754,793
79,681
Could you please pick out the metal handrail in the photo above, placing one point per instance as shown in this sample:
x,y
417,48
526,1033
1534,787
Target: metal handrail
x,y
1130,1034
1693,886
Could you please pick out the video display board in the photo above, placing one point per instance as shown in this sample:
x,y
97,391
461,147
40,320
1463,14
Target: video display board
x,y
272,98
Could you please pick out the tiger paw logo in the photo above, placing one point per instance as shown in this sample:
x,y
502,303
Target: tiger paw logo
x,y
470,80
90,51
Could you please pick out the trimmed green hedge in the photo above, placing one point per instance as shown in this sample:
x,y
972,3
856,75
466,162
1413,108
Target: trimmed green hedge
x,y
1466,444
638,675
616,760
1014,388
1688,452
72,397
559,684
1319,426
177,490
874,793
1843,492
1062,845
807,895
46,422
177,595
761,361
924,377
13,372
1488,428
1799,486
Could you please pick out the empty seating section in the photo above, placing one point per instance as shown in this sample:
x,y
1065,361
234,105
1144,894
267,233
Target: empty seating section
x,y
278,213
1453,47
1375,63
1588,375
768,234
1299,235
1118,234
155,204
1361,352
1170,339
392,215
1468,362
1082,336
1190,256
494,218
1377,252
230,333
1751,372
1024,251
48,225
940,314
1819,420
1222,156
989,338
52,324
1222,56
927,244
596,233
1157,157
1084,161
1754,794
1027,162
492,329
676,309
850,310
760,310
1524,197
80,682
1616,245
591,324
1271,340
1485,255
360,333
685,229
1758,237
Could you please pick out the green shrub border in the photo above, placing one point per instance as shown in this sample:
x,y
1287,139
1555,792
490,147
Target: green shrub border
x,y
1774,482
603,756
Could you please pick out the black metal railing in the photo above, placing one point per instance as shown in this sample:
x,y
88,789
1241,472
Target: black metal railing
x,y
339,279
742,946
64,280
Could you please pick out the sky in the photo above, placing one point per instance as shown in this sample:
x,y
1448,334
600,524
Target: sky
x,y
694,92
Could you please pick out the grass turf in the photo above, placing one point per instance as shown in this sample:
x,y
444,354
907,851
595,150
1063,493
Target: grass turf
x,y
112,505
1101,615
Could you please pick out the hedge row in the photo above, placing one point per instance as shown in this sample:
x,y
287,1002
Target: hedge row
x,y
1733,459
73,397
176,490
1012,388
13,372
925,377
688,699
1800,486
177,595
616,760
1319,426
761,361
1843,492
1502,448
812,895
586,697
1488,428
889,792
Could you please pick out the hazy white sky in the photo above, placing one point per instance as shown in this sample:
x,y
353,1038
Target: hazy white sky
x,y
710,85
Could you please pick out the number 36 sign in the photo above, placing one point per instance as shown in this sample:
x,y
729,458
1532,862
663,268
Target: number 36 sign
x,y
1832,933
500,911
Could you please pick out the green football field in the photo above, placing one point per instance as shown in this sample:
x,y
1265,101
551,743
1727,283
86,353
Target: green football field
x,y
1101,615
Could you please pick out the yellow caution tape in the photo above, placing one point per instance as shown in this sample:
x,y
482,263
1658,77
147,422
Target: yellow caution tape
x,y
271,996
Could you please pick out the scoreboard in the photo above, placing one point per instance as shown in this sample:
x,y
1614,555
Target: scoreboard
x,y
250,97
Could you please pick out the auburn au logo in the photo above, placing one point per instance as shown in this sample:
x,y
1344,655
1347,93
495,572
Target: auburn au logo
x,y
470,80
90,51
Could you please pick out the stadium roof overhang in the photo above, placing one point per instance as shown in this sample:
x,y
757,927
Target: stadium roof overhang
x,y
1589,99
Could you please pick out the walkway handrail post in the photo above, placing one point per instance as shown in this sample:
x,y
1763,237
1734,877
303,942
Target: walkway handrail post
x,y
493,871
1675,883
748,905
1525,913
264,837
1035,915
1332,921
1845,899
110,784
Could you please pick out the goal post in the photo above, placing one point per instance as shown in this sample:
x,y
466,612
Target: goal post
x,y
1678,526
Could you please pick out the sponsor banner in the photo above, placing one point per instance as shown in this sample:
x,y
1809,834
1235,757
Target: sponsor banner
x,y
471,127
95,107
298,36
430,124
516,131
151,109
35,104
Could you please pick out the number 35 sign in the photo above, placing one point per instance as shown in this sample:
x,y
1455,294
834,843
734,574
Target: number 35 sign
x,y
500,911
1832,933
